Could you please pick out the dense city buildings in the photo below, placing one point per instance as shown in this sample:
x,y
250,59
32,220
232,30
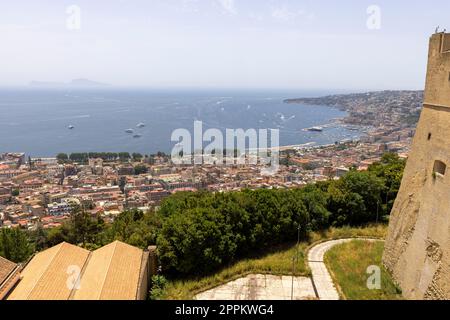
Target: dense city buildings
x,y
43,191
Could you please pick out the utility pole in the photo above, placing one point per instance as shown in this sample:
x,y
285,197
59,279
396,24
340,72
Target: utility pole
x,y
294,261
293,274
387,195
378,206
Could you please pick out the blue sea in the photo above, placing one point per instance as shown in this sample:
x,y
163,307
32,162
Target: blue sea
x,y
36,121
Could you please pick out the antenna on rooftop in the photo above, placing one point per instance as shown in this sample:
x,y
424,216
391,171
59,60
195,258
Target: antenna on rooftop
x,y
437,30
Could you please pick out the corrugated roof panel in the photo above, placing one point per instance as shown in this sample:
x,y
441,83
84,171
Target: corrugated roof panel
x,y
46,276
109,273
6,267
56,283
94,274
121,282
112,273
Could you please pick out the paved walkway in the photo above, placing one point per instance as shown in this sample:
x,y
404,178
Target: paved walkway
x,y
262,287
269,287
322,280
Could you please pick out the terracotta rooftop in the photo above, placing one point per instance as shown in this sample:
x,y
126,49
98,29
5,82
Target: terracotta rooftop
x,y
6,267
9,275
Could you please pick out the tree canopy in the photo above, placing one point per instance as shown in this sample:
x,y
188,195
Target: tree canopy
x,y
15,245
202,231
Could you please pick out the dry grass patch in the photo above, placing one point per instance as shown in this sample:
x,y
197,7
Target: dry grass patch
x,y
276,261
348,263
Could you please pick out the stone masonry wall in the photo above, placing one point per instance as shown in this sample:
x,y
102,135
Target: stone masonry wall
x,y
417,251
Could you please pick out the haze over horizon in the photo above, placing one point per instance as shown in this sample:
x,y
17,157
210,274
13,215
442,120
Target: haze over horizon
x,y
219,43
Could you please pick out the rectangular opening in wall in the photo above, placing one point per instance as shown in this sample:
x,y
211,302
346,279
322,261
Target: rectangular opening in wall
x,y
439,167
446,43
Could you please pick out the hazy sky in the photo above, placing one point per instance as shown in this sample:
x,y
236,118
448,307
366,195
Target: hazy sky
x,y
220,43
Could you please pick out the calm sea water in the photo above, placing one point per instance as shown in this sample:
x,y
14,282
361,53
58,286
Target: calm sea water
x,y
35,121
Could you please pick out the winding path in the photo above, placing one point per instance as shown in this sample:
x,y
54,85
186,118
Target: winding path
x,y
323,283
270,287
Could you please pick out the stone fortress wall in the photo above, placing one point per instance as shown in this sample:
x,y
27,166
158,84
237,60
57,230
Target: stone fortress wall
x,y
417,249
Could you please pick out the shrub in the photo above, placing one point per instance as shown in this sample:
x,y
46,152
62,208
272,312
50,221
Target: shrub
x,y
203,231
14,245
158,287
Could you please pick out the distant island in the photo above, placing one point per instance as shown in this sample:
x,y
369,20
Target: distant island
x,y
73,83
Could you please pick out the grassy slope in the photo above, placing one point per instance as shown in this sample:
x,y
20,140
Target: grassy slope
x,y
278,262
348,264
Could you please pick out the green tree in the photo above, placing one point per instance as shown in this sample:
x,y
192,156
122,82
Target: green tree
x,y
122,183
315,201
83,228
55,236
347,208
39,238
356,198
202,231
79,157
62,157
137,157
390,169
14,245
158,287
135,228
197,241
140,169
124,156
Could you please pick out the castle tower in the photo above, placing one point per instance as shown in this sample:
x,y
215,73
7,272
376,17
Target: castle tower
x,y
417,250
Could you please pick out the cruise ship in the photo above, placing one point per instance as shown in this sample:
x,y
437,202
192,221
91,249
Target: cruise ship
x,y
315,129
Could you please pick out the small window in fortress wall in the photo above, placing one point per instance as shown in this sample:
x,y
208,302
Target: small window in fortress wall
x,y
439,167
446,43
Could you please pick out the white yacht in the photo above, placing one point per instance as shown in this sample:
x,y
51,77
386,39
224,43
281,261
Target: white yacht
x,y
316,129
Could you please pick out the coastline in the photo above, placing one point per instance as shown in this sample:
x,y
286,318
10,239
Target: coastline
x,y
385,116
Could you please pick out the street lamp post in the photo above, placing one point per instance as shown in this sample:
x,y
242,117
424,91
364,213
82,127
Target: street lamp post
x,y
294,261
378,208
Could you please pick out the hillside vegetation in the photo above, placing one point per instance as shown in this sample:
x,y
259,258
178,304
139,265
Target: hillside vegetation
x,y
199,233
276,261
